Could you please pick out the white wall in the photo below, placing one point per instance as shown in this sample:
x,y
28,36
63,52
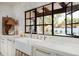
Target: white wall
x,y
5,10
16,10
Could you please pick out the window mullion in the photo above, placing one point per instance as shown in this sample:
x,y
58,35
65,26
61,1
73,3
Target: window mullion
x,y
52,19
65,19
43,20
71,18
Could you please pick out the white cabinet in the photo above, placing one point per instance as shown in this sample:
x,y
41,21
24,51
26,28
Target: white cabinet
x,y
7,47
3,47
24,45
10,47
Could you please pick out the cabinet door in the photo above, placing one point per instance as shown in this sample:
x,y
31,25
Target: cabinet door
x,y
10,48
13,48
7,47
3,47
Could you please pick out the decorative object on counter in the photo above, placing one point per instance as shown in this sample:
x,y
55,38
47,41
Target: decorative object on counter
x,y
8,26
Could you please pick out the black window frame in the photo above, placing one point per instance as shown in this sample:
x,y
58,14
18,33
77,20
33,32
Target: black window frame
x,y
68,35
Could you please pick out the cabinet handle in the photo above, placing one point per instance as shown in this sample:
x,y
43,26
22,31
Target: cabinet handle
x,y
42,51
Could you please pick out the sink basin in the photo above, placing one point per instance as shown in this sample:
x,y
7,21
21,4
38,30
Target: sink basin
x,y
23,44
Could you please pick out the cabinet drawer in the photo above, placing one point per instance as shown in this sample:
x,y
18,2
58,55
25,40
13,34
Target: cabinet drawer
x,y
39,52
36,51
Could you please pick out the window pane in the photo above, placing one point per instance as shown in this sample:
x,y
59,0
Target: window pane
x,y
48,19
67,3
59,24
33,13
75,3
28,22
68,12
27,28
48,8
39,29
68,29
68,8
39,12
39,20
33,21
57,6
69,19
47,29
76,29
76,17
28,15
76,20
32,29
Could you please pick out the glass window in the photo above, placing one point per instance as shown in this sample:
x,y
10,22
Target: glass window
x,y
76,17
39,24
59,24
39,20
27,14
69,24
39,29
32,21
47,29
28,29
28,22
76,29
68,19
40,10
57,6
48,8
76,23
33,29
69,29
32,13
48,19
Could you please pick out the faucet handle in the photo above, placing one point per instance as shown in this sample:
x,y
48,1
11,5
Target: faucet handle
x,y
45,37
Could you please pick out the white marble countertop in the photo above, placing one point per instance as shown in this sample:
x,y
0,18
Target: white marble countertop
x,y
68,47
71,48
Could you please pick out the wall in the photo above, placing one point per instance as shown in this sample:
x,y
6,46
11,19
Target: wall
x,y
5,10
16,10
